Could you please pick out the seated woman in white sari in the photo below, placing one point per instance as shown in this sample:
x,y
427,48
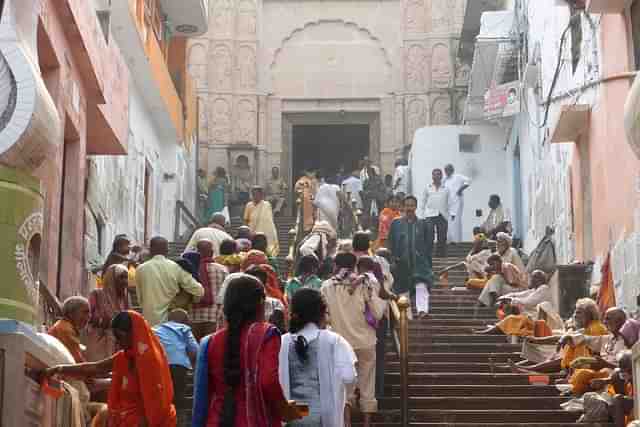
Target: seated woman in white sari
x,y
316,365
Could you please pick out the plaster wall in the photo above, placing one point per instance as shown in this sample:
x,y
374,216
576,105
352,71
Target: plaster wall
x,y
115,193
587,189
434,147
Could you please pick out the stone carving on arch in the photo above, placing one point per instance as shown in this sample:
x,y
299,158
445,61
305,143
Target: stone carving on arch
x,y
221,110
247,19
198,64
222,67
441,111
441,74
339,56
246,68
416,116
247,122
416,68
415,16
223,14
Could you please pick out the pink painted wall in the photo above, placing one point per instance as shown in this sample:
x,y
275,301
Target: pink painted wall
x,y
613,165
77,63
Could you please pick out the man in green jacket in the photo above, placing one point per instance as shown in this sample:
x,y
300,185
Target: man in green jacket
x,y
411,245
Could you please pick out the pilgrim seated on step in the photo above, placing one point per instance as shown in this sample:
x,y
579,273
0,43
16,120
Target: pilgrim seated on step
x,y
569,346
505,278
524,314
612,395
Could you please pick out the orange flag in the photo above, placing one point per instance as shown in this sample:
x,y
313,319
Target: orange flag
x,y
606,294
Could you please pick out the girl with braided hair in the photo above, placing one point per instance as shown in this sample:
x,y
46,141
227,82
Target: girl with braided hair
x,y
316,365
236,381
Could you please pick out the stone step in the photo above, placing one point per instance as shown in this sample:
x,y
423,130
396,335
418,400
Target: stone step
x,y
454,378
462,310
421,330
454,321
447,367
498,358
458,338
453,315
452,391
463,347
471,403
493,416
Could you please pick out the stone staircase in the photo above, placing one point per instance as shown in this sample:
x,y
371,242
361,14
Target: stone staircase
x,y
453,380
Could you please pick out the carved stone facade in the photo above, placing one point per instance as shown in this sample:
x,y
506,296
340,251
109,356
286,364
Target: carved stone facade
x,y
267,65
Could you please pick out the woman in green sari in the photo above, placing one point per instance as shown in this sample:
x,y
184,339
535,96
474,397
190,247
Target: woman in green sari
x,y
217,192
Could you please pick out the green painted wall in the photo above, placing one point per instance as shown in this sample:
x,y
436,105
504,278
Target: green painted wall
x,y
21,209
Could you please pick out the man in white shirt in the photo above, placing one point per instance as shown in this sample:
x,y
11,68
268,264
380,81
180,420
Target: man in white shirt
x,y
215,232
353,185
436,210
401,178
456,184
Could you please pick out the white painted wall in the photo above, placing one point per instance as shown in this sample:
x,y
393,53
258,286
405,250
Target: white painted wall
x,y
115,192
545,167
435,146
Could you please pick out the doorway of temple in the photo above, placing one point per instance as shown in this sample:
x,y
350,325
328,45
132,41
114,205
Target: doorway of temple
x,y
327,148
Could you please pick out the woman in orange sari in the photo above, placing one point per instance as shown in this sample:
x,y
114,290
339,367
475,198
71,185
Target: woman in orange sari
x,y
390,212
141,392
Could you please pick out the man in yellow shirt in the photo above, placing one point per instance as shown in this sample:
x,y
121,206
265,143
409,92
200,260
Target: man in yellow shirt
x,y
160,280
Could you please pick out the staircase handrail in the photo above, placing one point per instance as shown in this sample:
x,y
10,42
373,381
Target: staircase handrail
x,y
182,209
400,321
295,235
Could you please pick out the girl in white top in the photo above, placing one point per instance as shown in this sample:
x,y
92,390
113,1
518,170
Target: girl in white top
x,y
316,365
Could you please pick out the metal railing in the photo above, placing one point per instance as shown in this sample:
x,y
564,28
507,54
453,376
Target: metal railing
x,y
295,236
184,216
400,322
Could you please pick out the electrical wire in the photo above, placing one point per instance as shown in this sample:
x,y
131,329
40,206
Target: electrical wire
x,y
559,65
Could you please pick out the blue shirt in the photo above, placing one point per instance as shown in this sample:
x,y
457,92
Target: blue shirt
x,y
177,340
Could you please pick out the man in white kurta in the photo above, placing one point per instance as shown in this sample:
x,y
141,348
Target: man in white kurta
x,y
401,178
456,184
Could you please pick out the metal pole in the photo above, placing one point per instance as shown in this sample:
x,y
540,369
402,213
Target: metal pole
x,y
404,305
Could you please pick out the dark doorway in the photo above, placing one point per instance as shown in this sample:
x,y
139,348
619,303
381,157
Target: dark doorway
x,y
328,147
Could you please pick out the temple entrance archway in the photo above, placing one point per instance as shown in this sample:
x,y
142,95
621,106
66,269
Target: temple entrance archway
x,y
328,140
329,148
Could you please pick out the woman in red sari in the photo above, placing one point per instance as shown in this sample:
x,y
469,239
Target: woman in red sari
x,y
387,216
141,392
237,382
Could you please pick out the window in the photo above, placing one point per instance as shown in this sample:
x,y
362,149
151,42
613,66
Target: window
x,y
469,143
576,37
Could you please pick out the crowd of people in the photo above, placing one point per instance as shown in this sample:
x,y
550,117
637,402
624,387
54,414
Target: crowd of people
x,y
307,347
259,341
